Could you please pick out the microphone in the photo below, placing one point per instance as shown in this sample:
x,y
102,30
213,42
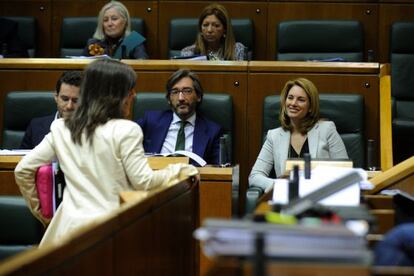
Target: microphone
x,y
370,155
307,159
294,184
222,152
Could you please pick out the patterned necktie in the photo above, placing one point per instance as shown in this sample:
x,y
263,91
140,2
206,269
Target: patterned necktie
x,y
180,144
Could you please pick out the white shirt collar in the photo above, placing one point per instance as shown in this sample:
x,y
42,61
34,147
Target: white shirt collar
x,y
191,120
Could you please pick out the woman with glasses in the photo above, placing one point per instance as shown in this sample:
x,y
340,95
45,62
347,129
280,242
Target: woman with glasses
x,y
113,35
215,38
301,132
99,151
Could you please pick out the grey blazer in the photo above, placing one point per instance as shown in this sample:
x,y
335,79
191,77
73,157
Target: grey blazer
x,y
324,142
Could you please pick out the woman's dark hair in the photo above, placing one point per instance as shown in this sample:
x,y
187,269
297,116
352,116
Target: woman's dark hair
x,y
105,87
227,41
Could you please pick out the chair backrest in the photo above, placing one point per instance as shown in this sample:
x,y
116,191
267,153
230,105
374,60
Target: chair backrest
x,y
19,109
345,110
76,31
320,40
27,32
20,229
183,32
216,107
402,83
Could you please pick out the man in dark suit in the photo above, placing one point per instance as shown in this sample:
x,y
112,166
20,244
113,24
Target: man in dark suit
x,y
66,97
162,128
10,44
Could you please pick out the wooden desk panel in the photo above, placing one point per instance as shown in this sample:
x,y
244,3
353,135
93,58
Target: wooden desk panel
x,y
366,13
151,237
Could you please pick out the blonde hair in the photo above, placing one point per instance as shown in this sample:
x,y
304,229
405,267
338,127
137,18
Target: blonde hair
x,y
227,41
313,115
123,12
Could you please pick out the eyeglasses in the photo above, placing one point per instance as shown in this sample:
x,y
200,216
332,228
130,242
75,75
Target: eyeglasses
x,y
186,91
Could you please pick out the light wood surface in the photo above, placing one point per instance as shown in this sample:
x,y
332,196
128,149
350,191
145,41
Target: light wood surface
x,y
385,118
151,237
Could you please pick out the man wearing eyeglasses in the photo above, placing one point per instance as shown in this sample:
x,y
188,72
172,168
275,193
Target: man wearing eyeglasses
x,y
182,128
66,97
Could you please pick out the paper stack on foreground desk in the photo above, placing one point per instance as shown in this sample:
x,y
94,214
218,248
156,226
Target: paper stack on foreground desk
x,y
283,242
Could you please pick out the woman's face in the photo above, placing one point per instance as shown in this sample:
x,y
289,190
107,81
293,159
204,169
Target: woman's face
x,y
212,29
113,23
297,103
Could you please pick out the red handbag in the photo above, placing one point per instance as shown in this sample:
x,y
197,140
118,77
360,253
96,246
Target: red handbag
x,y
44,187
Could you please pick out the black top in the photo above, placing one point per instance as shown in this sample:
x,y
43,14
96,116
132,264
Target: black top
x,y
294,154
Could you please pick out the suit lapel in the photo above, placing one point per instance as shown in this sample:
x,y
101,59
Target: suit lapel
x,y
283,147
161,131
200,136
313,140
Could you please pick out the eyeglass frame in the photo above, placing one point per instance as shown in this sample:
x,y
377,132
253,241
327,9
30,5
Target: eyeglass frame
x,y
186,91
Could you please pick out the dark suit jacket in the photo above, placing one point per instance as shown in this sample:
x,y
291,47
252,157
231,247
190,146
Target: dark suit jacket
x,y
155,125
36,131
9,40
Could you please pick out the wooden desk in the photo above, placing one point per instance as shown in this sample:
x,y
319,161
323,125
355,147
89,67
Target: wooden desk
x,y
247,82
148,237
215,200
214,197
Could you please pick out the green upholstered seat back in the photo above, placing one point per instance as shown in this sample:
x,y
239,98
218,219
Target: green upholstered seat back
x,y
216,107
320,39
19,109
27,32
76,31
402,85
20,229
183,32
345,110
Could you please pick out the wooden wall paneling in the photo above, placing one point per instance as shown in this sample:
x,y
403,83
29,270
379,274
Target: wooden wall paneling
x,y
256,11
42,11
152,236
147,10
262,84
167,250
367,14
390,13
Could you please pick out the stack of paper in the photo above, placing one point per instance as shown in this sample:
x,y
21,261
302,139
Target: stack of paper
x,y
287,242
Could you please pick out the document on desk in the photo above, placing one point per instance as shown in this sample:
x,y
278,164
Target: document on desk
x,y
289,242
6,152
320,177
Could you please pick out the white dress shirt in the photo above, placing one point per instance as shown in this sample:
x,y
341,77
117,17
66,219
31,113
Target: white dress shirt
x,y
171,138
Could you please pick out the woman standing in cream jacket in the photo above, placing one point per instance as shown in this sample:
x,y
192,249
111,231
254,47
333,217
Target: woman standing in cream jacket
x,y
99,152
301,132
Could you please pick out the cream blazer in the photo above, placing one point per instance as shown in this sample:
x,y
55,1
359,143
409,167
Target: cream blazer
x,y
95,173
324,142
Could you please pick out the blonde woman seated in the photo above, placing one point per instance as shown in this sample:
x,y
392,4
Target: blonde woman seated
x,y
301,132
113,35
99,151
215,38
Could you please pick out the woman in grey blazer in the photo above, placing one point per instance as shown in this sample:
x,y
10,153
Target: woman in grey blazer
x,y
301,132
